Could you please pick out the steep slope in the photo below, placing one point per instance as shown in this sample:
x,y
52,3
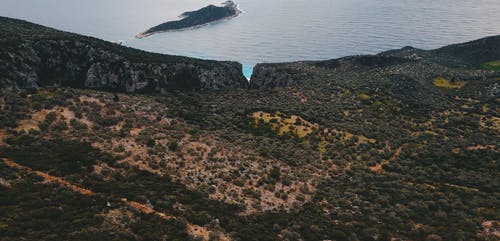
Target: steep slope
x,y
32,56
470,54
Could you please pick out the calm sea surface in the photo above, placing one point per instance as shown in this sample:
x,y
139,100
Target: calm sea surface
x,y
272,30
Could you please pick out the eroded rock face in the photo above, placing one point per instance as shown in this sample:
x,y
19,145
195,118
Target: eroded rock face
x,y
268,76
32,64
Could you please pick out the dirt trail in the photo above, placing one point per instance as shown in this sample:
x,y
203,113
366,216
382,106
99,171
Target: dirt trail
x,y
379,167
481,147
49,178
147,209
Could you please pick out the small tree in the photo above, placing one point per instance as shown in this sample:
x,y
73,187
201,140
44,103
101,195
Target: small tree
x,y
173,145
275,173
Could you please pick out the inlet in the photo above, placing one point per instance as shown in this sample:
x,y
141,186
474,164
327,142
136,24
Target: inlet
x,y
247,71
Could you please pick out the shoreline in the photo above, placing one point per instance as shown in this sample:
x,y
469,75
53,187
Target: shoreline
x,y
145,35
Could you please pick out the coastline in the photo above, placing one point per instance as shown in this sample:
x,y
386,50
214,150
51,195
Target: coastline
x,y
144,34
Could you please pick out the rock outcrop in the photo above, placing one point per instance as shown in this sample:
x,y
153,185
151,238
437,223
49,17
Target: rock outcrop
x,y
268,76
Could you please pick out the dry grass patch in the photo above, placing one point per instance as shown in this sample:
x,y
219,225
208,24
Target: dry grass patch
x,y
492,123
481,147
448,84
282,124
91,99
27,125
364,96
37,117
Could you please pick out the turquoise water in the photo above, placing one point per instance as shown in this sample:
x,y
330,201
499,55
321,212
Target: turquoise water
x,y
273,31
247,70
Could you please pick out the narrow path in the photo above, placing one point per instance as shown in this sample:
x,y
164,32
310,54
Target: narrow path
x,y
379,167
147,209
49,178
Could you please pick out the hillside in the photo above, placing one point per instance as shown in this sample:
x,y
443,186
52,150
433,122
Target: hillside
x,y
397,146
33,56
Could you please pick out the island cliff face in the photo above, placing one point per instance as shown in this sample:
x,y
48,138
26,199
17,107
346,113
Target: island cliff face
x,y
63,59
199,17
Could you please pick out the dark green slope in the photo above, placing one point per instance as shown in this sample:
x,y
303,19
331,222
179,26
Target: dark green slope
x,y
32,56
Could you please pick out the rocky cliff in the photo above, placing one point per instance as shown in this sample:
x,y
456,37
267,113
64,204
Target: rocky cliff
x,y
268,76
51,58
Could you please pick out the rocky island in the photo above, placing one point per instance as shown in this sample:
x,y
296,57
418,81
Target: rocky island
x,y
196,18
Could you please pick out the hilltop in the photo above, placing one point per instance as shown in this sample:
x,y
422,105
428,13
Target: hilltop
x,y
402,145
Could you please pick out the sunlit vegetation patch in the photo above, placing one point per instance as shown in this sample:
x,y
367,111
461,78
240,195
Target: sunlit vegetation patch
x,y
282,124
491,122
46,94
446,83
322,146
311,133
493,65
364,96
484,108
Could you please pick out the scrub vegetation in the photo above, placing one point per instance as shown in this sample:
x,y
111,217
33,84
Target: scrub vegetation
x,y
360,148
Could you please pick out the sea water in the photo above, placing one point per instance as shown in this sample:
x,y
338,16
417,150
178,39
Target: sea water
x,y
272,30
